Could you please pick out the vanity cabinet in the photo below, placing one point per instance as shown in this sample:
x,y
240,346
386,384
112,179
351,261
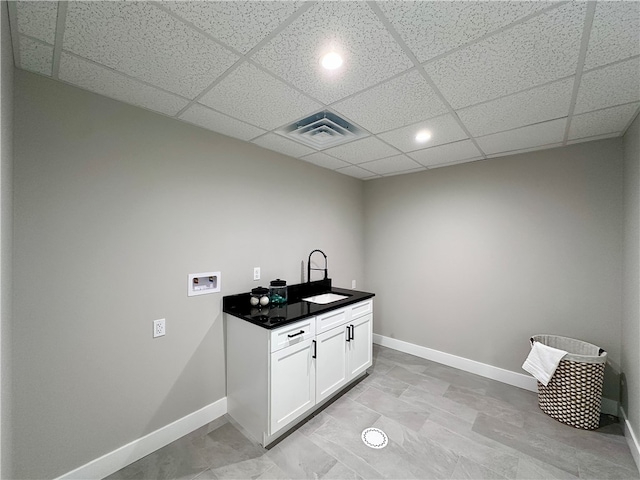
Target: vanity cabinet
x,y
277,377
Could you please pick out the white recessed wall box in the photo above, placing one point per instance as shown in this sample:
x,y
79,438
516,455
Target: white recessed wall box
x,y
203,283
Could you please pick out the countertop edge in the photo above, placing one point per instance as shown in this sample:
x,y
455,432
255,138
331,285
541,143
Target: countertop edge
x,y
355,296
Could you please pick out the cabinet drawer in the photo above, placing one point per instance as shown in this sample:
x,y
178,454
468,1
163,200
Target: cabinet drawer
x,y
293,334
362,308
332,319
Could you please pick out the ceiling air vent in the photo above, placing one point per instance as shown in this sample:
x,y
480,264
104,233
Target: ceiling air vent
x,y
323,130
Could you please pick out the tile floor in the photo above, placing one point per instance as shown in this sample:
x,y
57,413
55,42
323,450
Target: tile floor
x,y
441,423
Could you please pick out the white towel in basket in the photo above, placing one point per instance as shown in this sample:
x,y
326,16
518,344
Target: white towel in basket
x,y
543,361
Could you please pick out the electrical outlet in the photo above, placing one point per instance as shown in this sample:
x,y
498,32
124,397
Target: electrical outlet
x,y
158,328
256,273
353,284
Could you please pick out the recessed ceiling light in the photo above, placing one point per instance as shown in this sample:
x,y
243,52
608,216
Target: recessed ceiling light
x,y
331,61
423,136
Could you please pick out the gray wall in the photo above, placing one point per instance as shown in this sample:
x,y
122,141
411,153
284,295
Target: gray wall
x,y
6,216
473,259
631,319
114,207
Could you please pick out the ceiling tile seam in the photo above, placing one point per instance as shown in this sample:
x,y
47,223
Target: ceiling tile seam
x,y
274,132
591,138
284,24
455,162
422,168
197,29
15,34
232,117
438,146
286,82
606,108
546,146
633,117
399,152
606,65
61,21
123,74
35,40
522,126
215,82
127,103
584,46
495,32
495,99
246,57
368,171
396,36
391,156
371,87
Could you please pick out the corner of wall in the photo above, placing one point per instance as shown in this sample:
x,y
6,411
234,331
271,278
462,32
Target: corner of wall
x,y
6,233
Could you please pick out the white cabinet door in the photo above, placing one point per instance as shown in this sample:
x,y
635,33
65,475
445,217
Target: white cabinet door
x,y
360,345
331,362
293,384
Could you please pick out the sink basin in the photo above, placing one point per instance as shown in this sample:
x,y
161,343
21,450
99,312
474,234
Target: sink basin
x,y
325,298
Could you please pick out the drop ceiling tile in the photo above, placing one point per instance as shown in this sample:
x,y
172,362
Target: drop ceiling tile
x,y
38,20
538,51
360,151
595,137
351,28
610,120
397,163
444,129
433,28
526,150
218,122
109,83
537,105
614,33
283,145
451,152
609,86
239,24
402,101
256,97
456,162
404,172
145,42
528,137
324,160
35,56
354,171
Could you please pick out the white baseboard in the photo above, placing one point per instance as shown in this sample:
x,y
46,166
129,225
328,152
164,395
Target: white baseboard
x,y
521,380
631,437
489,371
129,453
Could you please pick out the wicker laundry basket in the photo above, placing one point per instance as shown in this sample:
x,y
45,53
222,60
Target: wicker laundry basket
x,y
574,393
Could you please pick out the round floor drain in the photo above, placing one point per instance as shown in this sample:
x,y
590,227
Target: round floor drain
x,y
374,438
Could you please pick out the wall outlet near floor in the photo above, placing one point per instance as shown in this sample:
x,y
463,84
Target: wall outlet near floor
x,y
256,273
158,328
353,284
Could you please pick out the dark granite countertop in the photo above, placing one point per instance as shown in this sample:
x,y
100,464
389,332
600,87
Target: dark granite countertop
x,y
295,309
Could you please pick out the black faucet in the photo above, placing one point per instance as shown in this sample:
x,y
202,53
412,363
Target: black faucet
x,y
326,271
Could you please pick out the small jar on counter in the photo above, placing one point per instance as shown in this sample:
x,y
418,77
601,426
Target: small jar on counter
x,y
278,292
259,297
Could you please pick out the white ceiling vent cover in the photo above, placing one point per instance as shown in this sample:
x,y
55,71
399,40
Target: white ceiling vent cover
x,y
323,130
